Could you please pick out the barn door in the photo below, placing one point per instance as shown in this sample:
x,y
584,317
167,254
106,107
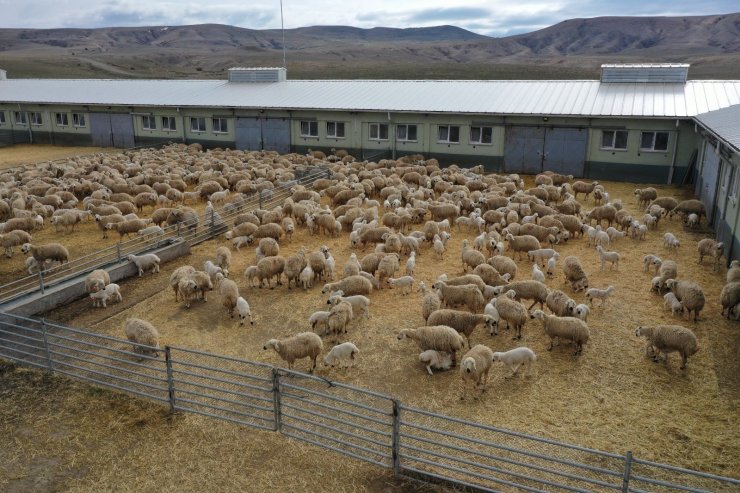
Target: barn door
x,y
523,149
248,134
100,130
122,127
709,177
565,151
276,135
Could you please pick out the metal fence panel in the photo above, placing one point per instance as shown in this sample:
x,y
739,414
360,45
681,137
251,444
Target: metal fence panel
x,y
660,478
22,340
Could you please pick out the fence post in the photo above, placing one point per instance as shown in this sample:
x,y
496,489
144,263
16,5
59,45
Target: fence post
x,y
41,277
627,472
118,251
49,366
396,437
213,223
170,379
328,173
276,398
260,199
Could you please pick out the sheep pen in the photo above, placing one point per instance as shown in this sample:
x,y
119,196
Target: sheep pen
x,y
601,400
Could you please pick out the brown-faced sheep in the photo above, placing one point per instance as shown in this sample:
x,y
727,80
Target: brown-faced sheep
x,y
668,339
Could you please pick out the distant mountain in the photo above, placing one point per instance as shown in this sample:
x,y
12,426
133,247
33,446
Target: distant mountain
x,y
573,48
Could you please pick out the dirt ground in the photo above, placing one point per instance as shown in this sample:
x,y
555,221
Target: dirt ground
x,y
33,153
611,398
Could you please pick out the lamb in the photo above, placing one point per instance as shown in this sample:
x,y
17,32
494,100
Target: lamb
x,y
690,206
306,277
667,339
569,328
351,285
605,256
542,254
464,322
515,359
574,273
341,354
243,310
614,233
406,283
560,304
670,241
523,243
223,259
475,366
435,359
537,274
650,260
50,251
439,246
471,257
602,294
302,345
352,267
437,337
143,335
145,262
410,264
319,321
340,316
96,280
179,274
582,311
709,247
512,312
212,269
429,302
101,297
670,301
468,295
360,304
527,289
692,221
551,267
690,294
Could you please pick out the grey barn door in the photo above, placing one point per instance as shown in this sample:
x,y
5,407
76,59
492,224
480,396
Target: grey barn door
x,y
709,176
123,130
100,130
248,134
276,135
523,149
565,151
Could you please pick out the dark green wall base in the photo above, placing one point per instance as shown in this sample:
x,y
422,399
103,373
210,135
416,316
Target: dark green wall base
x,y
70,139
153,141
11,137
635,173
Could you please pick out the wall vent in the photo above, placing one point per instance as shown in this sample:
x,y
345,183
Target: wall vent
x,y
257,74
645,72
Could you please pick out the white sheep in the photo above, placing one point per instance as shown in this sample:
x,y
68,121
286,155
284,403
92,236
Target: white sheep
x,y
341,354
319,321
515,359
438,360
491,310
302,345
212,269
651,260
406,283
411,264
306,277
551,264
243,310
605,256
601,294
582,311
439,247
673,303
670,241
145,262
474,368
537,274
109,292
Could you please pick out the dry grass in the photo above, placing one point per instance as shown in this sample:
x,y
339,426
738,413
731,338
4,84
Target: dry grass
x,y
33,153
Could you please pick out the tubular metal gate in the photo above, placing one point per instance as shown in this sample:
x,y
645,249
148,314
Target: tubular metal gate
x,y
354,422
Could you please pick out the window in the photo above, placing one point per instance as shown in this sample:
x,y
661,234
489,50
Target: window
x,y
198,124
481,135
2,117
36,118
309,129
20,117
448,134
335,130
406,133
654,141
220,125
614,139
378,131
62,119
735,186
78,119
168,123
148,122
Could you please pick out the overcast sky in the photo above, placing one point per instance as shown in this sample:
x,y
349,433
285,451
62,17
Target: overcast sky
x,y
491,17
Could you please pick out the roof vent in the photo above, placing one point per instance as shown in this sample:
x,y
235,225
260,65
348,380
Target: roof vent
x,y
257,74
645,72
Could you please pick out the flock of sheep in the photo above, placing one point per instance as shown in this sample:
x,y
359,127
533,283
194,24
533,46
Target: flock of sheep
x,y
391,212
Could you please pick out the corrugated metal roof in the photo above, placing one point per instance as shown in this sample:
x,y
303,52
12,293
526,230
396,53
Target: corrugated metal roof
x,y
724,123
567,98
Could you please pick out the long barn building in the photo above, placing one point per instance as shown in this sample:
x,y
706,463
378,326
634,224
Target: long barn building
x,y
640,122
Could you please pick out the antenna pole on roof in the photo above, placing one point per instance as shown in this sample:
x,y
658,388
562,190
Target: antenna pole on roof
x,y
282,28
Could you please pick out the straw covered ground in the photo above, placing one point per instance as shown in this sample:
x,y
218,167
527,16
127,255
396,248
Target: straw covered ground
x,y
611,398
33,153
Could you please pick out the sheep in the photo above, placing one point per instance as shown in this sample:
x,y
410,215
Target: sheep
x,y
179,274
243,310
437,337
12,239
512,312
569,328
670,241
474,368
143,335
526,289
551,263
340,316
603,212
269,247
270,267
504,265
439,247
212,269
670,301
126,227
229,292
602,294
468,295
145,262
50,251
581,311
360,304
151,231
317,261
351,285
406,283
96,280
464,322
542,254
110,291
202,282
690,294
515,359
690,206
709,247
489,276
223,259
574,273
302,345
387,267
319,321
438,360
341,354
650,260
667,269
269,230
410,264
537,274
560,304
733,273
667,339
523,243
429,302
306,277
729,297
605,256
645,195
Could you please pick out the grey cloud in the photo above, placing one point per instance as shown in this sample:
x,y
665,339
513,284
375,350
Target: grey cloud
x,y
448,15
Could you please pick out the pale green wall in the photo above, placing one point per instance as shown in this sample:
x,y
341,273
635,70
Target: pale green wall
x,y
632,154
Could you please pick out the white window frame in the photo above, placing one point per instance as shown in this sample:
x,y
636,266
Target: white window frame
x,y
332,130
378,134
171,124
448,131
62,119
654,139
309,129
78,120
613,146
148,122
36,119
405,127
220,125
2,118
735,187
20,118
195,124
481,142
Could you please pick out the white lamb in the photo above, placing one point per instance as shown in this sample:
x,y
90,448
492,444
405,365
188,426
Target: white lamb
x,y
551,267
109,292
438,360
515,359
406,283
306,277
605,256
411,264
145,262
243,310
582,311
670,301
601,294
670,241
537,274
491,310
439,246
341,354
